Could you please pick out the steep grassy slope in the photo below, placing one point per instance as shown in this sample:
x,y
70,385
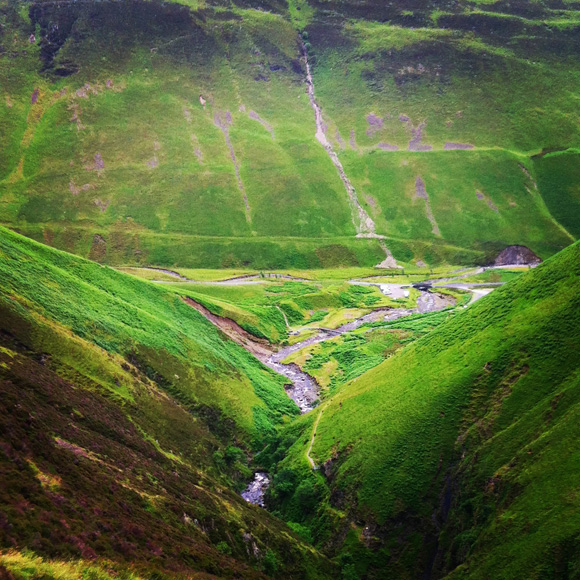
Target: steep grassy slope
x,y
151,327
127,422
182,133
460,450
459,100
131,485
271,310
131,146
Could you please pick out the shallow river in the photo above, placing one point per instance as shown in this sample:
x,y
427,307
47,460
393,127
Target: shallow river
x,y
304,390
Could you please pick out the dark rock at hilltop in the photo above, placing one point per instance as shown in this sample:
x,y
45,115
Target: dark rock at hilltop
x,y
517,255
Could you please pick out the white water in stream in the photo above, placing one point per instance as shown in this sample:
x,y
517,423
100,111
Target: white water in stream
x,y
254,493
363,223
361,220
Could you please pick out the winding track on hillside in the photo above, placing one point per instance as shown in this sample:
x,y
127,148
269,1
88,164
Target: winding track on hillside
x,y
310,460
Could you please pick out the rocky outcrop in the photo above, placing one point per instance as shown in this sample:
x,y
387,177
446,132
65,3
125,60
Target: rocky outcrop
x,y
517,256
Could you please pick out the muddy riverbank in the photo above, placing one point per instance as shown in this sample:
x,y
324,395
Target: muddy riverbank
x,y
303,389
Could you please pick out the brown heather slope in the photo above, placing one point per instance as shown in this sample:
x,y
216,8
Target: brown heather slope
x,y
122,453
87,476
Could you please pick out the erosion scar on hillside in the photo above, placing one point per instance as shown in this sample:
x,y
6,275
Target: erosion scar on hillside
x,y
421,192
224,124
361,220
363,223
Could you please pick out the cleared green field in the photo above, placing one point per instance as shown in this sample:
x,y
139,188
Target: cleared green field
x,y
493,276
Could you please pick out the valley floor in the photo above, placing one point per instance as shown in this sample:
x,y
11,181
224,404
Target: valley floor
x,y
289,359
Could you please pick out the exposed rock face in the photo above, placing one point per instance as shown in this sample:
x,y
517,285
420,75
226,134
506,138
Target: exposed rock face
x,y
517,255
223,122
253,115
98,250
416,142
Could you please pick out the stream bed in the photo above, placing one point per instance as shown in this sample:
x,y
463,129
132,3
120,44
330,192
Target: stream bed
x,y
254,493
304,390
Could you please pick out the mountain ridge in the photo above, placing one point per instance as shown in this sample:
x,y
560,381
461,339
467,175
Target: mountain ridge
x,y
223,115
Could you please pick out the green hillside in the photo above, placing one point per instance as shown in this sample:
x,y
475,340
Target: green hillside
x,y
187,137
127,424
459,452
148,325
197,195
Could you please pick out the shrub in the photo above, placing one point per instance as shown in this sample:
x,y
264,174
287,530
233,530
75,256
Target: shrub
x,y
224,548
270,563
307,495
301,531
